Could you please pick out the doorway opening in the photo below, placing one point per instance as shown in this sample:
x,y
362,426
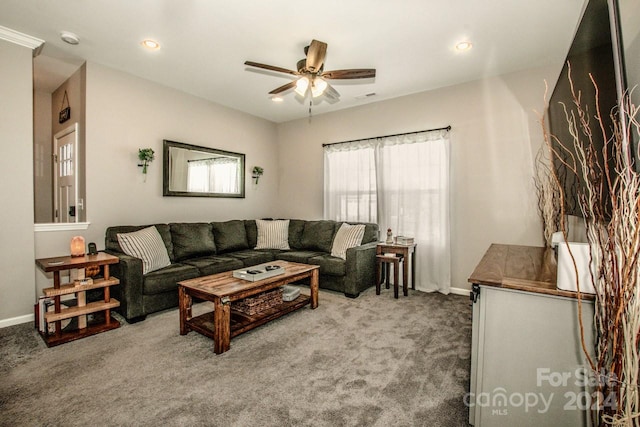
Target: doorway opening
x,y
59,187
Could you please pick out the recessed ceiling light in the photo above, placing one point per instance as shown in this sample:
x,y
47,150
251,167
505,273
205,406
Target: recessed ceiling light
x,y
150,44
462,46
277,99
69,37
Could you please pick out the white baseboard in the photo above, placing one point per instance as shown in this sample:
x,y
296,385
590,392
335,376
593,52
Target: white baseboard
x,y
459,291
16,320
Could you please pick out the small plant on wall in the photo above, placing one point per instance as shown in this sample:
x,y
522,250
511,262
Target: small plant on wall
x,y
256,173
146,156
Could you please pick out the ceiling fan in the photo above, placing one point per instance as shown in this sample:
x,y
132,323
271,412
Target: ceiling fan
x,y
311,76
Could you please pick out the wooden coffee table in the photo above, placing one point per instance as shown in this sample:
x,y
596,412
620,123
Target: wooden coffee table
x,y
222,289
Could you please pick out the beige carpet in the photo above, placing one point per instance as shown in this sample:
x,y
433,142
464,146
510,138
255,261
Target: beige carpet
x,y
370,361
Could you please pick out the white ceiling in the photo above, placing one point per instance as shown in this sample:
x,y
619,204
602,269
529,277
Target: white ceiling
x,y
205,43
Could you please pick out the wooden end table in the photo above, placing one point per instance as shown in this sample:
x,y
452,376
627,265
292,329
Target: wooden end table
x,y
223,289
57,264
405,251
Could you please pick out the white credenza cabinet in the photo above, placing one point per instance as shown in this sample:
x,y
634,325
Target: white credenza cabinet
x,y
528,367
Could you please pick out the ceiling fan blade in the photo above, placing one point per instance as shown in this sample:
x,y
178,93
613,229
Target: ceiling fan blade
x,y
283,88
331,93
355,73
270,67
315,55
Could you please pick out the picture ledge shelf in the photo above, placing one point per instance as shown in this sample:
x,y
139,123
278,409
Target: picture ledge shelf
x,y
61,226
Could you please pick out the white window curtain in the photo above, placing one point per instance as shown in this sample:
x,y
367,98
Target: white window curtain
x,y
350,182
410,192
216,175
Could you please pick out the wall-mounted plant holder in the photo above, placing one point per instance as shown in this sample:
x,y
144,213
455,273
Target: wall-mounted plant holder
x,y
146,156
256,173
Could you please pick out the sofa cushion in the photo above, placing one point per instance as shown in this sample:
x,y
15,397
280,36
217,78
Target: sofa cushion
x,y
251,257
111,236
166,279
272,234
147,245
192,239
329,265
230,236
214,264
252,232
296,227
318,235
370,233
297,256
348,236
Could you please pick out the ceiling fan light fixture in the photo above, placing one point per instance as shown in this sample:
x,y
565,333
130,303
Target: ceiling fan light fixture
x,y
318,86
277,99
311,76
302,85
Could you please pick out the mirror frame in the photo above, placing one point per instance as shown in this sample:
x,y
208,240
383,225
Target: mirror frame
x,y
165,170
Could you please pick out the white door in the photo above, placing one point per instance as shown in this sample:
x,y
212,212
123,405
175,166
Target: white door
x,y
65,166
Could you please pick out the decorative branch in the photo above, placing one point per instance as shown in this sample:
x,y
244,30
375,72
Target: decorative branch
x,y
547,189
609,198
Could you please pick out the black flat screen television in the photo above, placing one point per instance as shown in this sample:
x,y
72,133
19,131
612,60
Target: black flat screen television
x,y
606,36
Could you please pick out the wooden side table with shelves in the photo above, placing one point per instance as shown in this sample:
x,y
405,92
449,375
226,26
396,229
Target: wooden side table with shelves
x,y
408,252
80,311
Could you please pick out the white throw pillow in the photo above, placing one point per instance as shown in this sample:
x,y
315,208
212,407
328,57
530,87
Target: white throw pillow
x,y
348,236
147,245
273,234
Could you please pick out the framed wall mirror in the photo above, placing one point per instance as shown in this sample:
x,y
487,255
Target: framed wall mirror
x,y
194,171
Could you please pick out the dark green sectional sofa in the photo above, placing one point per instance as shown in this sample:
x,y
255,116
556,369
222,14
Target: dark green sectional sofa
x,y
200,249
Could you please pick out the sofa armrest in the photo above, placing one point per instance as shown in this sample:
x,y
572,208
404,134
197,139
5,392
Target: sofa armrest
x,y
129,292
360,269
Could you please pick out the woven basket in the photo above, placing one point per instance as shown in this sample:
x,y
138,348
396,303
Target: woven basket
x,y
260,302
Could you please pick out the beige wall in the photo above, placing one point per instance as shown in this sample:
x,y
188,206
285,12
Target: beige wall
x,y
16,165
494,138
42,151
125,113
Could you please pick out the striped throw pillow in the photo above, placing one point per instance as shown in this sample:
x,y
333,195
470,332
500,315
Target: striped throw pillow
x,y
272,234
348,236
147,245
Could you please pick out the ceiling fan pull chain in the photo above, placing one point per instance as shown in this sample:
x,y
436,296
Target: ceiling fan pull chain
x,y
310,104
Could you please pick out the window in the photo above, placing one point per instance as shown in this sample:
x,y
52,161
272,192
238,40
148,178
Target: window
x,y
350,184
400,182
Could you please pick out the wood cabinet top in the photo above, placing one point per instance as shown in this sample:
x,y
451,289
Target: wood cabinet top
x,y
523,268
68,262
